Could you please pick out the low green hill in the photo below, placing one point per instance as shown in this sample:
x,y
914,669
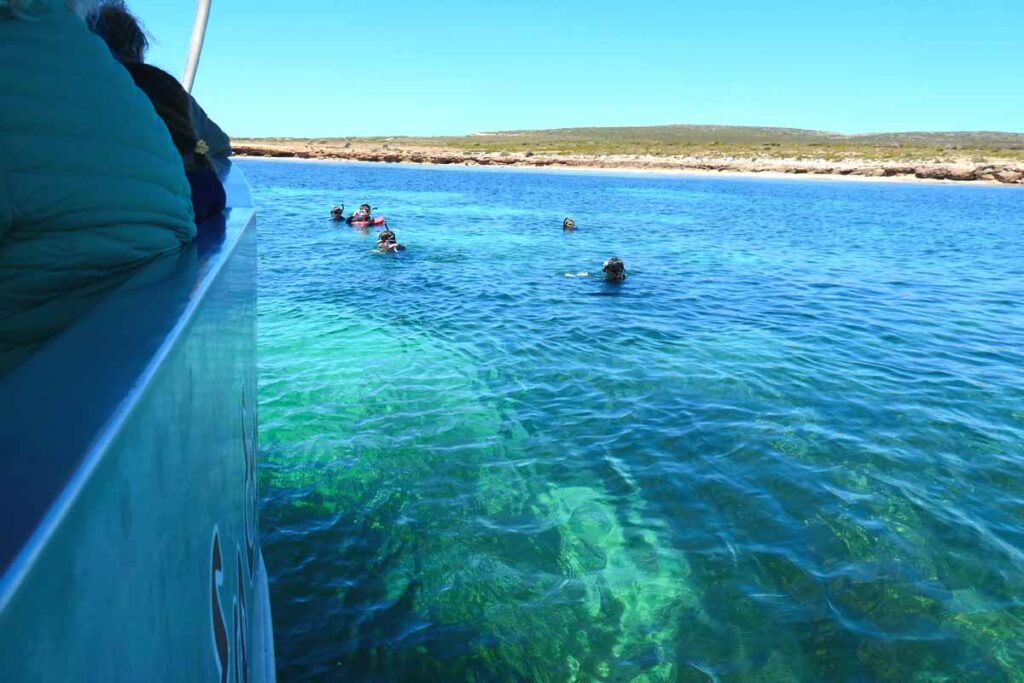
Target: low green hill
x,y
690,140
675,139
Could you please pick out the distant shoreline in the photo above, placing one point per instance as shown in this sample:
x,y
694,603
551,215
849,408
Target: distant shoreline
x,y
994,172
668,172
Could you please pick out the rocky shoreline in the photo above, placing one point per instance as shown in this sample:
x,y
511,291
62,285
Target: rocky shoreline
x,y
996,171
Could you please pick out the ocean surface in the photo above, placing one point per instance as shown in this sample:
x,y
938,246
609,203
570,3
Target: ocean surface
x,y
790,447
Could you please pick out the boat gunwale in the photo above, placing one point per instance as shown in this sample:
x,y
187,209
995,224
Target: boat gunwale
x,y
235,224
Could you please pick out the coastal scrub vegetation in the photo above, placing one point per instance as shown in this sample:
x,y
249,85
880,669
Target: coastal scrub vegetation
x,y
691,141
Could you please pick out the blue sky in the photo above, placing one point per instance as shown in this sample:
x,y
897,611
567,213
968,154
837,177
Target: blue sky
x,y
323,68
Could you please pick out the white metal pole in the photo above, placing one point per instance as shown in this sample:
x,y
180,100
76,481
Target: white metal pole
x,y
195,47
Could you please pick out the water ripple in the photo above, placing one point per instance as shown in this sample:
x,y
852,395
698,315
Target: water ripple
x,y
789,447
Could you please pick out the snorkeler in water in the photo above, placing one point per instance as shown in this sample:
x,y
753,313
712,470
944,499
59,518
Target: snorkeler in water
x,y
387,242
568,225
361,216
338,213
614,270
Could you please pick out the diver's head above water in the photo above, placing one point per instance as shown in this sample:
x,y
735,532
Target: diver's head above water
x,y
568,225
338,213
614,269
386,241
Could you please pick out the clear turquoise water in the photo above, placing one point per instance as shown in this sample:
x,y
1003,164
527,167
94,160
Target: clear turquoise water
x,y
789,447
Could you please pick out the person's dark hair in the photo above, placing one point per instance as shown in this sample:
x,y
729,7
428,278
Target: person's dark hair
x,y
172,105
120,30
386,236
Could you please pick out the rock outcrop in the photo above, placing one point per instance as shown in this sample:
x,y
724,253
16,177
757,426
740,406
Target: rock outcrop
x,y
1010,173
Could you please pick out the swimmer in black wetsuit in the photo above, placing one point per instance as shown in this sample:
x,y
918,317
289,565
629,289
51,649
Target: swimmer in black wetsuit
x,y
614,270
387,242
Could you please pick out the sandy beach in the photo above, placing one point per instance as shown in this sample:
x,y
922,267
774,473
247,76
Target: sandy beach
x,y
949,169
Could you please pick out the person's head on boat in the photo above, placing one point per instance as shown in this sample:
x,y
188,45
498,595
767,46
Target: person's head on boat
x,y
387,241
120,30
338,213
614,269
568,225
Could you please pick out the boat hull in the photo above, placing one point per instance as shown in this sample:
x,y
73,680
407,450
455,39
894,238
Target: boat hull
x,y
145,564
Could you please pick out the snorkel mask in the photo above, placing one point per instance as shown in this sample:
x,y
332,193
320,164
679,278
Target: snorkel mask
x,y
614,268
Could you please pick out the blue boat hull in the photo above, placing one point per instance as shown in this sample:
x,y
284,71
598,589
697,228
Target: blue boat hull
x,y
135,550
